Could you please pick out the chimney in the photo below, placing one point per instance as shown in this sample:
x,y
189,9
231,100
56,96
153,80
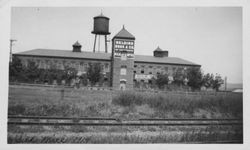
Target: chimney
x,y
160,53
77,47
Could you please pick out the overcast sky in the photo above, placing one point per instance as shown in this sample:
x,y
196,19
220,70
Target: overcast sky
x,y
209,36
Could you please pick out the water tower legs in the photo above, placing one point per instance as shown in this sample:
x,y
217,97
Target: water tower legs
x,y
94,43
106,46
98,40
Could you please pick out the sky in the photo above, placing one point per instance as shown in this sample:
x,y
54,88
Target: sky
x,y
209,36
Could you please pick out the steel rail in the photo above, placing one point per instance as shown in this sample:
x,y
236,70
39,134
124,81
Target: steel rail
x,y
121,124
59,118
189,119
216,142
117,119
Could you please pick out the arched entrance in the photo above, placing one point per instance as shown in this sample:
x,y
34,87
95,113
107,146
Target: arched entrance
x,y
123,84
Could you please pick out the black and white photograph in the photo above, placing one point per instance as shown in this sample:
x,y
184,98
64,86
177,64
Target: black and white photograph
x,y
125,75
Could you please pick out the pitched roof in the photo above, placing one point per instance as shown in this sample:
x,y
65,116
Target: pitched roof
x,y
158,49
163,60
65,54
123,33
103,56
77,44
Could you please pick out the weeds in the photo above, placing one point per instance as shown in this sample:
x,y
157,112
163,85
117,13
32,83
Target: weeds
x,y
194,135
128,105
186,104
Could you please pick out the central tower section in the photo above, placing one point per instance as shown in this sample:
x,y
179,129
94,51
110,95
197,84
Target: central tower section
x,y
122,60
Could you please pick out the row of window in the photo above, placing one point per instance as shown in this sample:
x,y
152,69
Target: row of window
x,y
159,67
142,72
124,70
46,64
162,68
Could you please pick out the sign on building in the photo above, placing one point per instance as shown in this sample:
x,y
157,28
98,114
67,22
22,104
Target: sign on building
x,y
143,76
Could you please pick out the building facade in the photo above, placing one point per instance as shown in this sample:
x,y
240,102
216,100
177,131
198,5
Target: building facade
x,y
122,69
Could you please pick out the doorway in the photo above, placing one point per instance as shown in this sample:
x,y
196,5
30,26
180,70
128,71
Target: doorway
x,y
123,84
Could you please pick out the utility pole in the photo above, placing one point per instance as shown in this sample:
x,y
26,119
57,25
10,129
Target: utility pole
x,y
225,83
11,44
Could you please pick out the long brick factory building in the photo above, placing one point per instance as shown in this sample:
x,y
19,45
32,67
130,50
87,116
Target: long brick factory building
x,y
122,68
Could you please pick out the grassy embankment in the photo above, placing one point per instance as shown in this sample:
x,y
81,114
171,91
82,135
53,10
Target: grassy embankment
x,y
126,106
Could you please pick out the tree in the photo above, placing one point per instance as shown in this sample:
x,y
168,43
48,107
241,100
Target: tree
x,y
44,75
194,76
217,82
69,74
179,77
161,80
32,72
207,80
84,79
16,69
94,73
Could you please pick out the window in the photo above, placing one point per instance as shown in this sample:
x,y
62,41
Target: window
x,y
123,71
150,66
78,66
123,56
135,66
150,72
102,68
107,67
149,81
134,71
142,71
61,65
85,67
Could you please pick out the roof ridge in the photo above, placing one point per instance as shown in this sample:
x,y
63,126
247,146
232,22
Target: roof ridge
x,y
103,56
123,33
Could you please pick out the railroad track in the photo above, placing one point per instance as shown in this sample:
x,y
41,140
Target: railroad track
x,y
99,121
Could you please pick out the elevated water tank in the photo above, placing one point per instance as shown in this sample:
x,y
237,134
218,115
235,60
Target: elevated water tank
x,y
101,25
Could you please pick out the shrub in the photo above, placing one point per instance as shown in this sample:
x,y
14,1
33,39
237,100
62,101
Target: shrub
x,y
16,109
128,98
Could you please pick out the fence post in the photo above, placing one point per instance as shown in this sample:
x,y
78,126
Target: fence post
x,y
62,93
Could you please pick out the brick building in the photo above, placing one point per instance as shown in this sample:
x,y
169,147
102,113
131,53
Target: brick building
x,y
122,69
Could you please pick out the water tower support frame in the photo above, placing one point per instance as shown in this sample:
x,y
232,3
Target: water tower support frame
x,y
106,45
